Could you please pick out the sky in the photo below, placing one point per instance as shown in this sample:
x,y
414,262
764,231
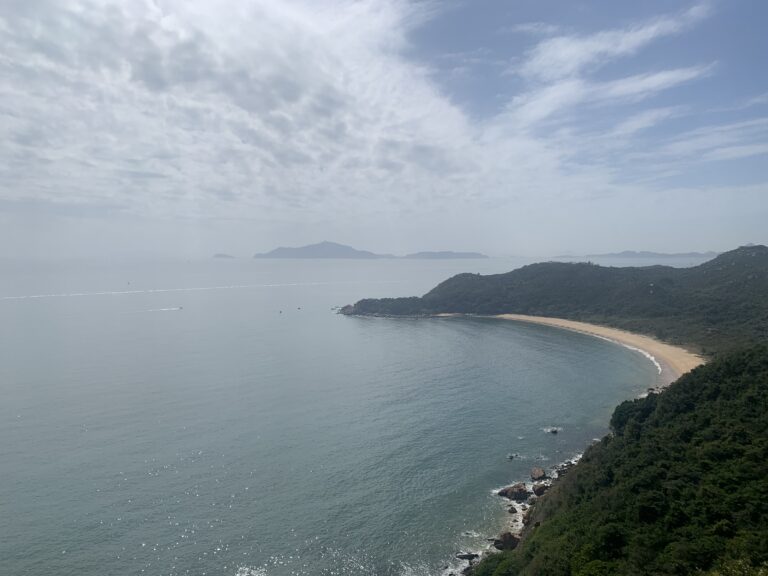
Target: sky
x,y
181,128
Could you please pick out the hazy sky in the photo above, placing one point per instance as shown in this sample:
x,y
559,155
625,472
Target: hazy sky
x,y
529,127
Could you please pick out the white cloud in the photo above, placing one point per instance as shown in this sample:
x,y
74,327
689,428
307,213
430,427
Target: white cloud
x,y
733,152
310,111
533,28
642,85
538,104
644,120
186,108
711,137
566,56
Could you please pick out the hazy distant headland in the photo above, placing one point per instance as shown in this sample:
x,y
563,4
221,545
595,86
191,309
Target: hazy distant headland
x,y
445,255
329,250
223,256
644,255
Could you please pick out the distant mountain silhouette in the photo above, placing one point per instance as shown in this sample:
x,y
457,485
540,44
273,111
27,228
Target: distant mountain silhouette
x,y
334,250
322,250
444,255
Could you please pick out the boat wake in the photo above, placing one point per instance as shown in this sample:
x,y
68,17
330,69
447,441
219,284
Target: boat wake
x,y
193,289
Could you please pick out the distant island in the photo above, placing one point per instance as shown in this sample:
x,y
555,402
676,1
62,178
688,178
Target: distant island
x,y
223,256
445,255
329,250
654,255
322,250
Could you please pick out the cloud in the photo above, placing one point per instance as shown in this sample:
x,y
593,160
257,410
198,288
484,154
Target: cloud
x,y
274,105
531,108
716,136
733,152
642,85
567,56
532,28
644,120
318,111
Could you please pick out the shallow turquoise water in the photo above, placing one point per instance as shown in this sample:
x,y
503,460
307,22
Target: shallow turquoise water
x,y
232,423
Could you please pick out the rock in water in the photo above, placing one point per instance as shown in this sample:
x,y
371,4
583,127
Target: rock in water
x,y
538,474
517,492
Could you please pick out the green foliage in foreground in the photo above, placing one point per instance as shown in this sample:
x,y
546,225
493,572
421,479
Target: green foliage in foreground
x,y
680,487
721,304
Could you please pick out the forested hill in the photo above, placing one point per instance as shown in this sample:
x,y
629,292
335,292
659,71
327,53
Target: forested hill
x,y
681,487
720,304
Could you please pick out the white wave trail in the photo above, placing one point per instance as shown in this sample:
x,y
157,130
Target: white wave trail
x,y
195,289
648,355
645,353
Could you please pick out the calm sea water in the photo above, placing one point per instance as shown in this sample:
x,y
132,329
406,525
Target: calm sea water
x,y
219,418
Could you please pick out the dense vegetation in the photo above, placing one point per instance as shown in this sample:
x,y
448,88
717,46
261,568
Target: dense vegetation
x,y
718,305
681,486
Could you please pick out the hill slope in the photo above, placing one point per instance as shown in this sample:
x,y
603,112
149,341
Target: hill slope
x,y
681,486
720,304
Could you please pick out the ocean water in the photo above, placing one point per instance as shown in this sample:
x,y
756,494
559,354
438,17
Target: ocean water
x,y
219,418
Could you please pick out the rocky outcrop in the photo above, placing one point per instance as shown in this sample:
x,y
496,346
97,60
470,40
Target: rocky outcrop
x,y
506,541
540,488
517,492
538,474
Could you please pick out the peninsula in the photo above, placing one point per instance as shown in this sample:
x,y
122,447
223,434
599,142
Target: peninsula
x,y
718,305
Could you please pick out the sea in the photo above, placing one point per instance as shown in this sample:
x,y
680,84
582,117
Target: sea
x,y
218,417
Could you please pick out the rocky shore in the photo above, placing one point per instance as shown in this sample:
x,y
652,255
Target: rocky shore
x,y
522,498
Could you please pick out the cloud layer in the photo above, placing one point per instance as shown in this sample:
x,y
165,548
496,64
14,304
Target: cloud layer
x,y
305,111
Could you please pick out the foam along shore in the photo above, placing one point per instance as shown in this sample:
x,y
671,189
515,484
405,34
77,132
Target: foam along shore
x,y
671,361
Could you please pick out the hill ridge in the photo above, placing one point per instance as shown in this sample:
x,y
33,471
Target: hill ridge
x,y
718,304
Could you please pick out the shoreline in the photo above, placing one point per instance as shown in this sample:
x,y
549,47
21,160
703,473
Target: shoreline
x,y
671,361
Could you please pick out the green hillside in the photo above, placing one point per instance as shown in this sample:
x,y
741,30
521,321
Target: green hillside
x,y
718,305
680,487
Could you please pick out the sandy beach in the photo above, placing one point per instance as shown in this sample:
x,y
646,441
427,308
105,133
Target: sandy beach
x,y
672,361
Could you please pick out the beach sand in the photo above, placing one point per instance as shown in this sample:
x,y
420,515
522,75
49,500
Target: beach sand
x,y
672,361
